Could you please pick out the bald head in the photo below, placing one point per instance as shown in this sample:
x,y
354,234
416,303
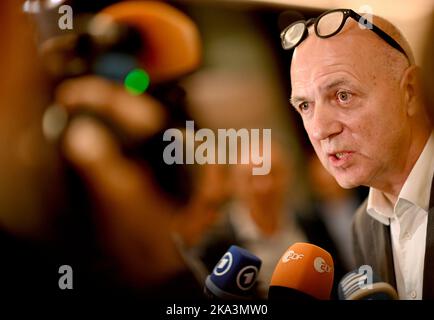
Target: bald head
x,y
359,100
396,35
358,42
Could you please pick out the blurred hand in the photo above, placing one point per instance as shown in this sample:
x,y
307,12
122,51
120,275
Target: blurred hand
x,y
132,215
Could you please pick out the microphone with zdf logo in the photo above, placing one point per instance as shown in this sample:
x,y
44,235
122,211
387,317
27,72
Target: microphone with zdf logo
x,y
304,272
234,276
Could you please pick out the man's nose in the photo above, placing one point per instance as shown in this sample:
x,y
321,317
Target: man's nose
x,y
324,123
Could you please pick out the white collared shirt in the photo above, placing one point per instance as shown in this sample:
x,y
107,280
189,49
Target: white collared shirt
x,y
408,220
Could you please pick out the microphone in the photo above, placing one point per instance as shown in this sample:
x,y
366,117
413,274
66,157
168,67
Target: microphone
x,y
363,284
304,272
234,276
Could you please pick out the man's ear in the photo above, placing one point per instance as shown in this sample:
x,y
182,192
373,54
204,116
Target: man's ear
x,y
410,86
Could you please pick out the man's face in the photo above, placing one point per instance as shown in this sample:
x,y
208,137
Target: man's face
x,y
352,110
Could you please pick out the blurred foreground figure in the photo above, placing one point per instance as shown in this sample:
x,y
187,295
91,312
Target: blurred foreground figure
x,y
123,247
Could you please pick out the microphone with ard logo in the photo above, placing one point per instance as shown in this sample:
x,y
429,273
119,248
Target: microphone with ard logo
x,y
304,272
363,284
234,276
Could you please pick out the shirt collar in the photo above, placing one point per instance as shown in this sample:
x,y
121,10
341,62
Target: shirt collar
x,y
416,189
379,206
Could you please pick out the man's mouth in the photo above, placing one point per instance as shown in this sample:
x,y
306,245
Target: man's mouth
x,y
340,158
341,155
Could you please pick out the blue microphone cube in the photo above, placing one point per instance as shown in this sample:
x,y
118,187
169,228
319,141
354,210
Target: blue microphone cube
x,y
235,274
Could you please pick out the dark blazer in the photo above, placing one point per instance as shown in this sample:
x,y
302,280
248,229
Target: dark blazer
x,y
372,246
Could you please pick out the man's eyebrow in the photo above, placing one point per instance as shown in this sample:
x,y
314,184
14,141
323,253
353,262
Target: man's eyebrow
x,y
295,100
335,83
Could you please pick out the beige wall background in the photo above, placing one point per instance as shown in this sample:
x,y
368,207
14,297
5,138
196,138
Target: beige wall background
x,y
413,17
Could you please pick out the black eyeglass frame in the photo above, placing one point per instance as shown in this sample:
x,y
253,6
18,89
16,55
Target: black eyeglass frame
x,y
346,14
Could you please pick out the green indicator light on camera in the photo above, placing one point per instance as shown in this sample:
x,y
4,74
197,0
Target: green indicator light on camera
x,y
137,81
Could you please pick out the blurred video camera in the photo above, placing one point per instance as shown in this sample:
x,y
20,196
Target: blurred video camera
x,y
147,36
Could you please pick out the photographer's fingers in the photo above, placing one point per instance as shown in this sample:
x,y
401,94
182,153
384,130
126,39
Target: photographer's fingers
x,y
117,184
94,150
139,116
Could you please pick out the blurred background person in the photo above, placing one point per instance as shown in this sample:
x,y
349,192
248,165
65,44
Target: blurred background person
x,y
264,217
335,207
193,222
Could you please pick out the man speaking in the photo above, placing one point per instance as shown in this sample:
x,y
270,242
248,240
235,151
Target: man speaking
x,y
355,85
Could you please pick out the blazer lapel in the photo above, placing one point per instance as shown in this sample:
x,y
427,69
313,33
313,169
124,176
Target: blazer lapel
x,y
376,246
428,274
382,246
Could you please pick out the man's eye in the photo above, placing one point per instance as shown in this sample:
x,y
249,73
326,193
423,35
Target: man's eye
x,y
344,96
303,107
